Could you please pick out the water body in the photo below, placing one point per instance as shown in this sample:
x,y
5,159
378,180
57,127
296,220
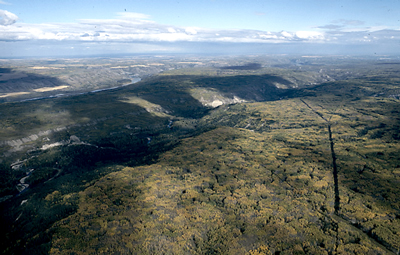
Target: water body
x,y
22,186
133,80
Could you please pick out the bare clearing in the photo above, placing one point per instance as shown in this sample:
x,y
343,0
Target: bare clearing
x,y
14,94
45,89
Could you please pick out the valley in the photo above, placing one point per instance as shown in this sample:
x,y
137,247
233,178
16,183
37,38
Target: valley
x,y
200,155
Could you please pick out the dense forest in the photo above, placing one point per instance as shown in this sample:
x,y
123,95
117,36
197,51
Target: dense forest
x,y
201,162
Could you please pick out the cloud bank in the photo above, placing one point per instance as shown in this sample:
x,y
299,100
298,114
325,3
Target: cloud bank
x,y
129,27
137,27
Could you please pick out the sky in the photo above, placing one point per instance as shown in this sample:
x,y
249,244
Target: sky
x,y
46,28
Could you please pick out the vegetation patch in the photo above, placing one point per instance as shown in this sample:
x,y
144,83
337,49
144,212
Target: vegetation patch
x,y
157,168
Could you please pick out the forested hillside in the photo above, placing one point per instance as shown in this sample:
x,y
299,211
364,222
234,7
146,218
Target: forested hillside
x,y
261,182
206,163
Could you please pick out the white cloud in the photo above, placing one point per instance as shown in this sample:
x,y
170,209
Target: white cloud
x,y
171,30
377,28
3,2
312,35
7,18
267,36
139,28
286,34
190,30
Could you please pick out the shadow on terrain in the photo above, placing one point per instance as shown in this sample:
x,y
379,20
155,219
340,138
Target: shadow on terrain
x,y
11,81
171,92
4,70
248,87
250,66
119,132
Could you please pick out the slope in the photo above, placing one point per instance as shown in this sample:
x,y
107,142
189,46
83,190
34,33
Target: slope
x,y
153,168
261,182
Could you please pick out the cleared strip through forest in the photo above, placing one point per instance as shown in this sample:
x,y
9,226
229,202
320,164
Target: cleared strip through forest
x,y
335,170
337,215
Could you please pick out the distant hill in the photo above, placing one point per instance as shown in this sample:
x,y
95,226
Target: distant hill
x,y
250,66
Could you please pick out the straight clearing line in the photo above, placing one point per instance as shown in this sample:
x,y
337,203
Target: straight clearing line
x,y
337,215
335,172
